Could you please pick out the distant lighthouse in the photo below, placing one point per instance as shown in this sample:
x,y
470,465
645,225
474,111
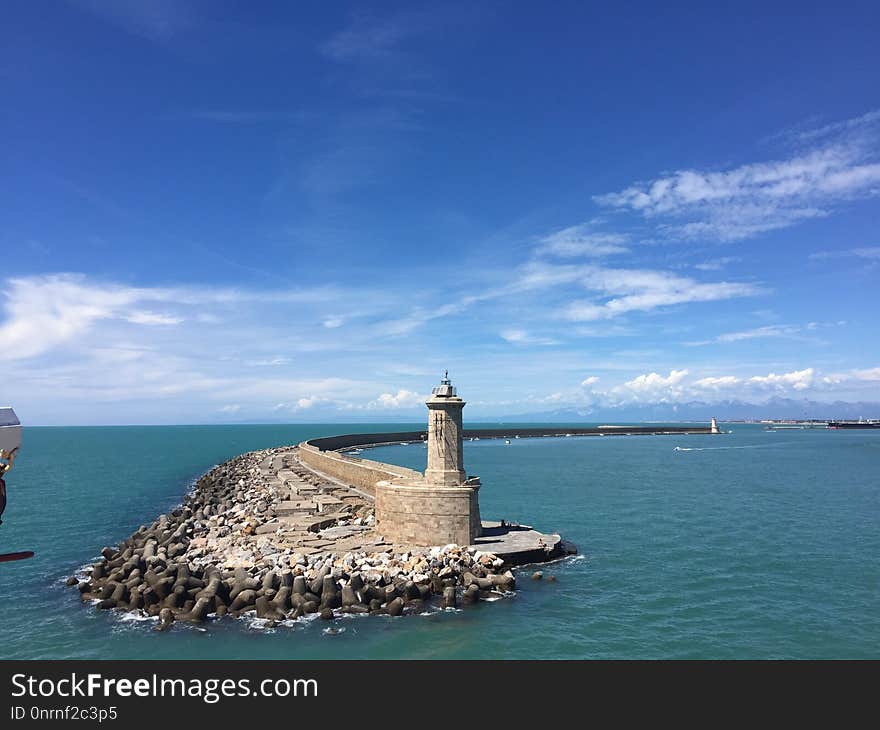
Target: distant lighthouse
x,y
713,426
445,442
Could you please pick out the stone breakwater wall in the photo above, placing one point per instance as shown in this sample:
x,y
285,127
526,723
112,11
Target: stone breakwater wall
x,y
360,473
260,535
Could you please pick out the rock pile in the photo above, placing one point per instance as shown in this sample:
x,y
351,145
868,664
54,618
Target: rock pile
x,y
244,542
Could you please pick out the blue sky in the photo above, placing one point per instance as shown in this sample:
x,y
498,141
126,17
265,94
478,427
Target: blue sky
x,y
221,211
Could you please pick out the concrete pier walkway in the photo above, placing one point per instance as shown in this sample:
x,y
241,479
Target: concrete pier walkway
x,y
521,544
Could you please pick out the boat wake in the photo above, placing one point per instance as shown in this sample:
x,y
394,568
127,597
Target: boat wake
x,y
731,448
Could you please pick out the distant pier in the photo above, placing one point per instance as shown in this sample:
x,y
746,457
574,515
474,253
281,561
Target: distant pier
x,y
365,440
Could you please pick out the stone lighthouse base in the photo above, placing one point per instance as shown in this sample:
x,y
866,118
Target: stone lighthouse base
x,y
422,514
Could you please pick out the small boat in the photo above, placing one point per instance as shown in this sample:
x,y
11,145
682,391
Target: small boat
x,y
507,441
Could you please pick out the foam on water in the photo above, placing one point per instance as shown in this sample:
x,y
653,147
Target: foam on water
x,y
137,616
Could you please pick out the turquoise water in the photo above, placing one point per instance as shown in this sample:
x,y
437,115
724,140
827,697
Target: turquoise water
x,y
750,545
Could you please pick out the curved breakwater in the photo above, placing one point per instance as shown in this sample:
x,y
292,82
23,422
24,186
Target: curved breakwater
x,y
262,534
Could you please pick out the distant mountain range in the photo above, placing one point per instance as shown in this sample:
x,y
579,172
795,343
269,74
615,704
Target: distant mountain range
x,y
776,408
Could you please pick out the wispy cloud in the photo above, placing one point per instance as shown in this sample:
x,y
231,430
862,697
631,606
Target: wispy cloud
x,y
774,330
522,337
155,20
582,240
156,318
836,128
419,316
867,252
754,198
43,312
620,290
371,38
717,264
268,362
333,321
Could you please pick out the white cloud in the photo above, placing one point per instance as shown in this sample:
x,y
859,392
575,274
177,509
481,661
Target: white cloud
x,y
370,39
268,362
591,380
678,387
835,128
717,264
652,381
722,382
582,241
784,331
776,330
233,408
156,318
157,20
796,380
422,315
403,399
744,201
43,312
333,322
867,252
871,374
515,335
628,290
521,337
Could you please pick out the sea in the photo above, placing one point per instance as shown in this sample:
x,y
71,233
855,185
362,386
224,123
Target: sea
x,y
748,545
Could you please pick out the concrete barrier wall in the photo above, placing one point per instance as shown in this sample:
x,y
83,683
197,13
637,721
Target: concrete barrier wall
x,y
360,473
347,441
427,515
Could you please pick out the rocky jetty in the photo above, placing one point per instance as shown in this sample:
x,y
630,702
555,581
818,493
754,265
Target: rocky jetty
x,y
261,534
